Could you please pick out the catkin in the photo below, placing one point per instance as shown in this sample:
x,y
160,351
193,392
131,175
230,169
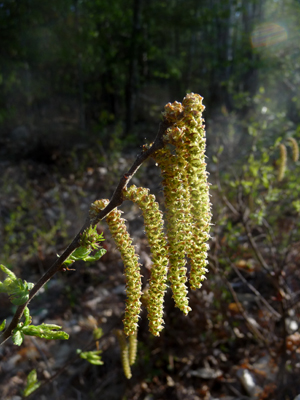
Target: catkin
x,y
194,145
295,149
187,134
158,245
123,242
133,342
282,162
124,353
175,197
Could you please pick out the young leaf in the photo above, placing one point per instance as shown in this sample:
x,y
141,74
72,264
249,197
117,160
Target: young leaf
x,y
80,253
27,316
17,337
84,254
32,383
97,333
96,256
92,357
8,272
45,331
17,290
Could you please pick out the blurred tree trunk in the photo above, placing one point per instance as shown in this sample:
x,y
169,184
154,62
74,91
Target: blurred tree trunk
x,y
132,84
79,71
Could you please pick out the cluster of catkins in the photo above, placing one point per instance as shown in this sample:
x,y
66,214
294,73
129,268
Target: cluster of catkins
x,y
187,218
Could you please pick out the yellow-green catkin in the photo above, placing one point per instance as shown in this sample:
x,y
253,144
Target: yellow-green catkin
x,y
158,245
124,353
133,342
177,217
295,149
194,143
123,242
282,162
187,134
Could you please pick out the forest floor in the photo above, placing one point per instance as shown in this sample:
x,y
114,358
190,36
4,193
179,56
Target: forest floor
x,y
210,354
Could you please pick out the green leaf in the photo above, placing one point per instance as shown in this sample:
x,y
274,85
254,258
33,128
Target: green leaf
x,y
2,326
27,316
96,256
17,290
93,357
17,337
32,383
45,331
80,253
8,272
97,333
84,254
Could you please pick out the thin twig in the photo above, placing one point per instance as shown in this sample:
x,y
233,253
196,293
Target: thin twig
x,y
256,333
255,291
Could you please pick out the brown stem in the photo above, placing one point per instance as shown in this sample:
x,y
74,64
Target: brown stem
x,y
116,200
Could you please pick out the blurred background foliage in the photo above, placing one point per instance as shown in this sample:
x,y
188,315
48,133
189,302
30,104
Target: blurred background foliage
x,y
84,69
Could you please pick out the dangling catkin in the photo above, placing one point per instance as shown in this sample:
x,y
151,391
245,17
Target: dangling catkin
x,y
123,242
295,149
124,353
159,249
282,162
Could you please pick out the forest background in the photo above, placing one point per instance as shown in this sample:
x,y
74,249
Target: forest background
x,y
83,84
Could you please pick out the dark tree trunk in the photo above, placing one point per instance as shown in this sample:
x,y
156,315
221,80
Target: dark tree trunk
x,y
132,84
